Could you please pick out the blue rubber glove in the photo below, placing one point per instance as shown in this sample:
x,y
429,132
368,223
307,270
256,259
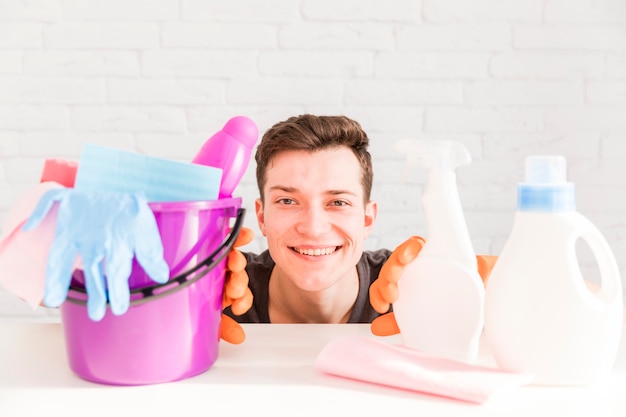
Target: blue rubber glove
x,y
107,230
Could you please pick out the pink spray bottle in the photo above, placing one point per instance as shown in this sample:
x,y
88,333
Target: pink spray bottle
x,y
230,149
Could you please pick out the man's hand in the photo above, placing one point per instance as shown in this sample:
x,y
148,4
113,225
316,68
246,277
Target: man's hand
x,y
485,266
384,290
237,294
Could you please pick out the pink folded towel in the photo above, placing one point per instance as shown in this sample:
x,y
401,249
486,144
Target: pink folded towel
x,y
370,360
24,255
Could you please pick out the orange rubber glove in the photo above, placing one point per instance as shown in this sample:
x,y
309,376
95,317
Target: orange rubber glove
x,y
237,294
384,290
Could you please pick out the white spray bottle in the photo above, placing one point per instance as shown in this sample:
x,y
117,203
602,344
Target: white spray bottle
x,y
440,305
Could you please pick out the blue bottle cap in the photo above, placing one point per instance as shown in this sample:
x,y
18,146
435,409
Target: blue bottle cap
x,y
546,188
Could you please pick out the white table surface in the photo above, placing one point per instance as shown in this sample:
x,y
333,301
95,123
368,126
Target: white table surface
x,y
271,373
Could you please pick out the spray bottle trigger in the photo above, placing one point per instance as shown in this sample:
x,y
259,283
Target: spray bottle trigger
x,y
434,154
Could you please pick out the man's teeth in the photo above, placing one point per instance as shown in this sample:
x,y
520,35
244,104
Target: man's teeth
x,y
316,252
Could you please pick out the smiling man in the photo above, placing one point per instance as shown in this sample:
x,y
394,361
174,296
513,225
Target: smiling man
x,y
314,175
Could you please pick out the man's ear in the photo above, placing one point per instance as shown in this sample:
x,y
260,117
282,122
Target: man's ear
x,y
371,211
260,215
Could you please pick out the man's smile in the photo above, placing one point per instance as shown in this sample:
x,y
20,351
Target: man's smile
x,y
316,251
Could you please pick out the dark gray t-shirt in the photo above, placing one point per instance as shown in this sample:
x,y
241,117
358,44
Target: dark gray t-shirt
x,y
259,269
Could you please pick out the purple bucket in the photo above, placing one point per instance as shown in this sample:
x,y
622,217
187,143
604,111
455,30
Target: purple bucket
x,y
170,331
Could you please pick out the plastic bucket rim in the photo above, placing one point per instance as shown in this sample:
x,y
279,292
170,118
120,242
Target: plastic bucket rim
x,y
168,206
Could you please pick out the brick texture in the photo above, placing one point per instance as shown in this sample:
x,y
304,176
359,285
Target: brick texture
x,y
506,78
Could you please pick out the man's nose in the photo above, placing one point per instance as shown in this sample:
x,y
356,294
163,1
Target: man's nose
x,y
314,221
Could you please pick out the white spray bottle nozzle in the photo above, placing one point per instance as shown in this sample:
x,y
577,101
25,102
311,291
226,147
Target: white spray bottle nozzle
x,y
442,155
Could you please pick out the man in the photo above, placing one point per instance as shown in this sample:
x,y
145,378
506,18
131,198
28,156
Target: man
x,y
315,177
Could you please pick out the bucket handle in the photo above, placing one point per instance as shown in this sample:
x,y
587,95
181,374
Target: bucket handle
x,y
181,280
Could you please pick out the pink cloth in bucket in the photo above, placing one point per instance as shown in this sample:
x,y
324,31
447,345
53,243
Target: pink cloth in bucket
x,y
370,360
59,170
24,255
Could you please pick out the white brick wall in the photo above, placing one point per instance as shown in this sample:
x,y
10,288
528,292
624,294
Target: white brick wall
x,y
506,78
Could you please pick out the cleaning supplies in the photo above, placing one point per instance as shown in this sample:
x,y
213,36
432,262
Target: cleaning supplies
x,y
229,149
370,360
24,254
59,170
540,316
440,305
161,180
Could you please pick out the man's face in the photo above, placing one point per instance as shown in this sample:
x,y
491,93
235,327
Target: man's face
x,y
314,217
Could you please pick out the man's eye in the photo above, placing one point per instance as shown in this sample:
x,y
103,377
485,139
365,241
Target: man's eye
x,y
286,201
339,203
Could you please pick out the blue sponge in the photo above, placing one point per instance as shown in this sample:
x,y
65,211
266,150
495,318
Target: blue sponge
x,y
161,180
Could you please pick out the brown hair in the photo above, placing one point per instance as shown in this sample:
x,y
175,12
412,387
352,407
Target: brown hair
x,y
312,133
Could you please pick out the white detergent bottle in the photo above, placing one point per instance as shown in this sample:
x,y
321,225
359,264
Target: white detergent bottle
x,y
440,305
541,318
